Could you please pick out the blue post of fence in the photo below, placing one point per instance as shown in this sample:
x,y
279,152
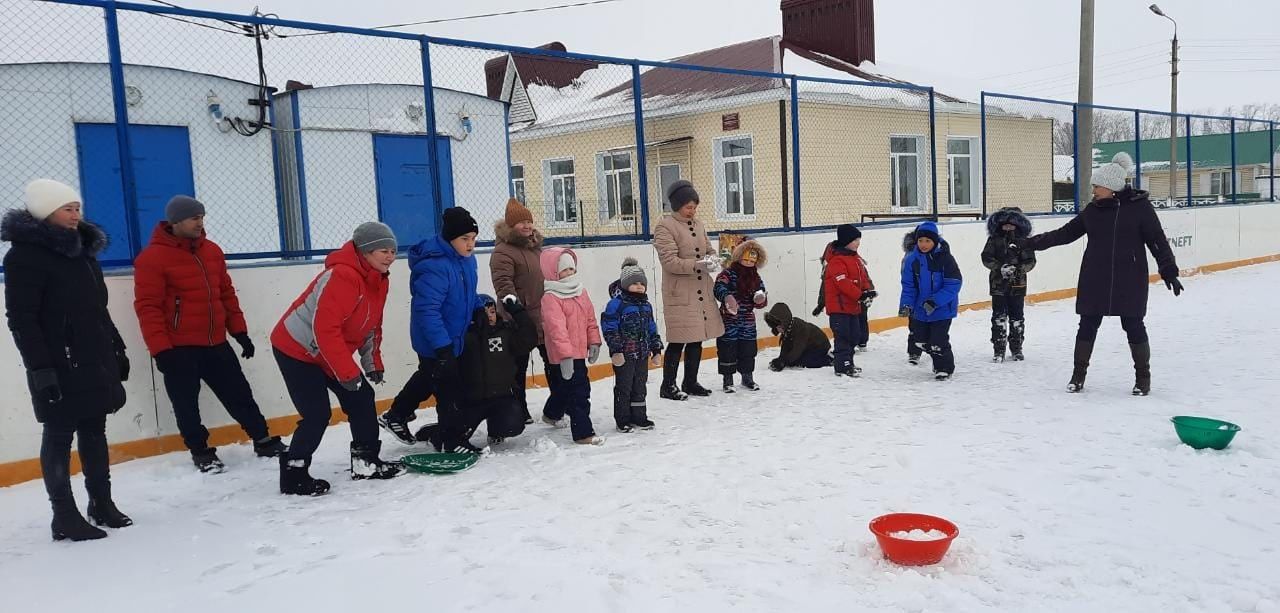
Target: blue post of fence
x,y
1137,150
127,177
640,153
1190,164
429,117
304,214
982,115
1235,198
1271,149
795,151
933,151
1075,156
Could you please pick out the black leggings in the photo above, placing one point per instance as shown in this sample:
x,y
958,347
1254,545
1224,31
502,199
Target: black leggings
x,y
671,362
1133,327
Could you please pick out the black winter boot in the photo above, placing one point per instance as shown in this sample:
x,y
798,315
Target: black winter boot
x,y
1017,332
295,478
1084,351
55,465
95,461
270,447
728,384
693,360
749,382
999,337
670,368
1141,368
207,461
365,463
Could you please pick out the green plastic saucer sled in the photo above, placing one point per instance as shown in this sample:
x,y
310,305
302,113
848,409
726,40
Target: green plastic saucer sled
x,y
440,463
1202,432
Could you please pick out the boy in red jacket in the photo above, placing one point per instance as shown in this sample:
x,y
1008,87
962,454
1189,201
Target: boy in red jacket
x,y
848,292
187,307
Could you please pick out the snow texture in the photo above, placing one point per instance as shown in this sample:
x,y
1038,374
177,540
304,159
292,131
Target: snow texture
x,y
756,501
919,535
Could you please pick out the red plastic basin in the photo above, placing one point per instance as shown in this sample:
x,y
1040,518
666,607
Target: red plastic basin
x,y
907,552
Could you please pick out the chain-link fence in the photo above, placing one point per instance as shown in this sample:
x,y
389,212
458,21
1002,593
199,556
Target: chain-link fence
x,y
293,133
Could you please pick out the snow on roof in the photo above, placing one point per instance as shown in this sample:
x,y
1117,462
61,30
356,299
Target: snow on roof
x,y
825,66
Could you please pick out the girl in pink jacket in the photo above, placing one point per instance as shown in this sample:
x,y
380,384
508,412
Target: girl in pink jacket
x,y
573,340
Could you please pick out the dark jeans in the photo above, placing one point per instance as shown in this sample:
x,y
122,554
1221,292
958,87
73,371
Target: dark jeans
x,y
935,338
630,387
574,400
422,384
502,414
522,376
218,367
1133,327
736,355
309,388
671,363
845,329
55,458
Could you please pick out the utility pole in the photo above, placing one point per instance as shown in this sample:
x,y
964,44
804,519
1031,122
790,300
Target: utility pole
x,y
1084,97
1173,110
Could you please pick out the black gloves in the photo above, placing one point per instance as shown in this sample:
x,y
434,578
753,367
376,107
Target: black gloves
x,y
166,360
246,345
867,297
904,310
513,306
818,309
446,364
375,376
929,306
44,385
1174,285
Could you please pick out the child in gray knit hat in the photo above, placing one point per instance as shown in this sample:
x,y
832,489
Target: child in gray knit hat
x,y
631,333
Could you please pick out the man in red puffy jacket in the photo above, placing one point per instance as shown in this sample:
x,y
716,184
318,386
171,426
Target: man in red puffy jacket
x,y
186,307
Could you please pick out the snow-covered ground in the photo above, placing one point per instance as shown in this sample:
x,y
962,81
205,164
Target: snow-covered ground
x,y
757,501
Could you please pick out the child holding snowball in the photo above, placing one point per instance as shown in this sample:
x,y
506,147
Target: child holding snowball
x,y
740,291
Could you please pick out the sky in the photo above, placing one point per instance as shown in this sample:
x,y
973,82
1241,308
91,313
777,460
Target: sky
x,y
1015,46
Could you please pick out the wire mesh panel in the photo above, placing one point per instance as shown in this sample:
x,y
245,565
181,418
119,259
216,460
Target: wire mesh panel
x,y
1114,132
280,132
45,89
724,131
1153,155
1207,147
1030,155
1254,149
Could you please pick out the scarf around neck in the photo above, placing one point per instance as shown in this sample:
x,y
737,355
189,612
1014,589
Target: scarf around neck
x,y
569,287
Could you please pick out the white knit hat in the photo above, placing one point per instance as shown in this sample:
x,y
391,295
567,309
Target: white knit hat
x,y
44,196
1112,176
566,261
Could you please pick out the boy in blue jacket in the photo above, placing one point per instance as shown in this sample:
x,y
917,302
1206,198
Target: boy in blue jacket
x,y
931,296
443,285
632,336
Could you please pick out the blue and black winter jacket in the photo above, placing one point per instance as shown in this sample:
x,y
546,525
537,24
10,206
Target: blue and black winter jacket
x,y
628,326
931,276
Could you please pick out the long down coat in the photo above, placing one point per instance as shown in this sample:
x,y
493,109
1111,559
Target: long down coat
x,y
689,306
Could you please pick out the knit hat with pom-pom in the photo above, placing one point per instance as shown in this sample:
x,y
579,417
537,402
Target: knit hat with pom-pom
x,y
1112,176
632,273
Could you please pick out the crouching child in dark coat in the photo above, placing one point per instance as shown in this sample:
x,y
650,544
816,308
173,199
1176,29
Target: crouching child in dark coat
x,y
488,369
634,343
802,343
1009,265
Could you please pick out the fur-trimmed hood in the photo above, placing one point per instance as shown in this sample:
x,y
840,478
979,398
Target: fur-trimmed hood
x,y
909,242
19,226
504,233
1012,215
742,248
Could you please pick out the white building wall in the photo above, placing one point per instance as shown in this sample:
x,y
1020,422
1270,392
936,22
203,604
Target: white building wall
x,y
234,175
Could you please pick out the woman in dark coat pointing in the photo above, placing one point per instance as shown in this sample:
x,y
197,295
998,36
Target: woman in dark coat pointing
x,y
1114,278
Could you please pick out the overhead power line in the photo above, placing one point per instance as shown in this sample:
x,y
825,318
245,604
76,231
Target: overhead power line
x,y
481,16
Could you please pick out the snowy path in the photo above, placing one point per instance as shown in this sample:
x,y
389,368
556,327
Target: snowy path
x,y
757,501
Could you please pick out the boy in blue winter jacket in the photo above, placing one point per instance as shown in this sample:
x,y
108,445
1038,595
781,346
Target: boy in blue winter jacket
x,y
632,336
443,285
931,296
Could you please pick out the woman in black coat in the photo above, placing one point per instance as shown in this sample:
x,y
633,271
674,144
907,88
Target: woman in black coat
x,y
56,304
1114,279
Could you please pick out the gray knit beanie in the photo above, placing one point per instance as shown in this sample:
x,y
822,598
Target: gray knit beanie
x,y
632,273
182,208
1112,176
372,236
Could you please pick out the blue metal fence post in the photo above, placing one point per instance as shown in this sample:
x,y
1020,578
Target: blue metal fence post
x,y
1271,150
304,214
982,114
1190,164
641,159
1075,156
429,113
127,178
795,152
1137,149
1235,198
933,151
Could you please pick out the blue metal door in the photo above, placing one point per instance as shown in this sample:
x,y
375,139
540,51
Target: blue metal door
x,y
405,201
162,168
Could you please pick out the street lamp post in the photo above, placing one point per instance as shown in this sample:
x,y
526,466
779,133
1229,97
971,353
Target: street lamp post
x,y
1173,110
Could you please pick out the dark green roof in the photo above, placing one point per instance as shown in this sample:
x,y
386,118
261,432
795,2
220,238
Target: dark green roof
x,y
1208,150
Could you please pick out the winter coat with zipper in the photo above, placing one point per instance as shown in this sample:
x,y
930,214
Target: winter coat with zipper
x,y
798,336
844,281
741,325
1002,249
568,323
931,276
182,293
628,325
338,314
1113,273
488,364
515,270
689,309
443,285
56,304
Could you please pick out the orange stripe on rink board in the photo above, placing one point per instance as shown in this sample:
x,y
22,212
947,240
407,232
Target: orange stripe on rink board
x,y
26,470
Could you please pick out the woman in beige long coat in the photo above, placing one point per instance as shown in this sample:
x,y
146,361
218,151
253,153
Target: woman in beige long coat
x,y
688,306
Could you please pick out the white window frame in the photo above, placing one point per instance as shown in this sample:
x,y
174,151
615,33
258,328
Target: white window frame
x,y
662,189
922,176
549,192
975,170
610,211
522,182
718,161
1224,182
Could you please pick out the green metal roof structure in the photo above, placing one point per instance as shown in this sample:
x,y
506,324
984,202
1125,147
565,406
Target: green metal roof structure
x,y
1207,150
